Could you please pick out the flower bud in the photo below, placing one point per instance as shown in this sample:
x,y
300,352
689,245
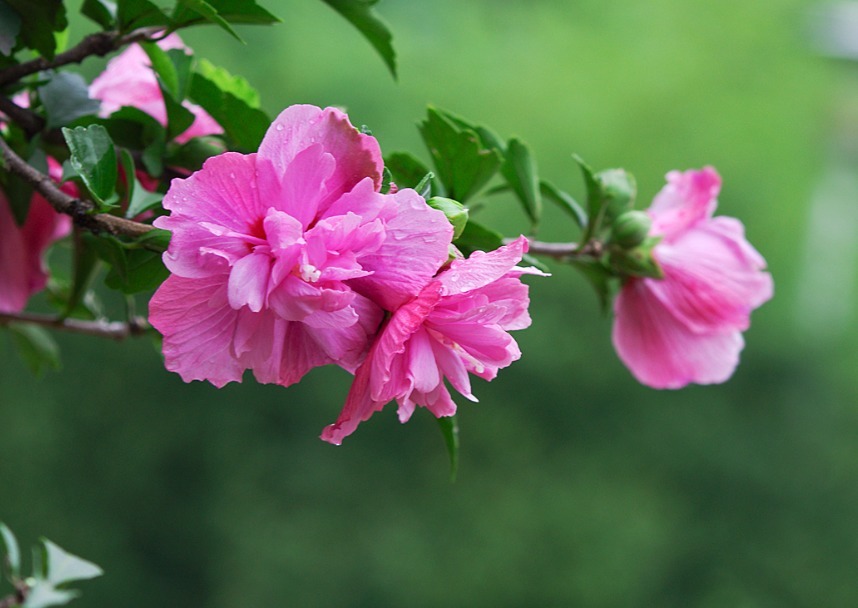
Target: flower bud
x,y
618,190
630,229
456,213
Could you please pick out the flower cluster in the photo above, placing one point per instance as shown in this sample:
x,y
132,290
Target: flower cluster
x,y
292,258
687,327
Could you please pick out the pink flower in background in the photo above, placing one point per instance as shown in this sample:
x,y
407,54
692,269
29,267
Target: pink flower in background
x,y
22,248
285,259
687,327
457,325
129,80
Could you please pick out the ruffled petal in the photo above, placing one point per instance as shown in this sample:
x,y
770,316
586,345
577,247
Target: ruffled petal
x,y
688,198
482,268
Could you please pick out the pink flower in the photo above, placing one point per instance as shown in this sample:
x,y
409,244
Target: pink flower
x,y
129,80
22,248
458,324
688,326
284,260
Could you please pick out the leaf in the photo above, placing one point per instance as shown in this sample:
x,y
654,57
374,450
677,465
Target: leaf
x,y
192,154
477,237
63,567
36,347
42,594
233,11
406,169
236,86
600,279
19,192
94,158
565,201
66,98
143,271
12,552
519,169
103,12
10,25
142,200
132,14
208,12
450,430
243,124
465,164
454,211
163,67
172,70
155,240
111,251
361,15
39,20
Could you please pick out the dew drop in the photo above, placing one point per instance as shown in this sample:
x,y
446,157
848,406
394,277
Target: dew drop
x,y
278,126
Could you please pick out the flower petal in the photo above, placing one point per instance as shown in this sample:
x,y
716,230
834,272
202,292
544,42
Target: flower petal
x,y
688,198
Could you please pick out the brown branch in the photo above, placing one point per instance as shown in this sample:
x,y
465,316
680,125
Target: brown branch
x,y
563,251
98,44
31,122
78,209
116,330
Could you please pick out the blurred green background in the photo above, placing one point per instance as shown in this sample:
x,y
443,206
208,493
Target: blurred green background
x,y
577,486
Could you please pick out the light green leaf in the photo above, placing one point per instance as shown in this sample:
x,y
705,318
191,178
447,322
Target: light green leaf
x,y
42,595
36,347
63,567
132,14
360,14
12,552
519,169
208,12
236,86
565,201
94,158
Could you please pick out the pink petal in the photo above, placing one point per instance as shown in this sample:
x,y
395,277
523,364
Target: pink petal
x,y
482,268
687,198
248,281
661,351
302,185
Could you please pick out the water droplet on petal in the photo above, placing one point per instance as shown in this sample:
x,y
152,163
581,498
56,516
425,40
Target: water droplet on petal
x,y
278,126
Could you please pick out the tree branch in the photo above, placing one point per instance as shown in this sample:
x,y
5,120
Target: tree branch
x,y
31,122
563,251
115,330
98,44
78,209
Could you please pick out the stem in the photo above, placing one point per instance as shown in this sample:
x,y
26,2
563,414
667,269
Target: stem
x,y
31,122
78,209
563,251
116,330
98,44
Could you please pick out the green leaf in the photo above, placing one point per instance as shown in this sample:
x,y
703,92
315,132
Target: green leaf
x,y
600,279
63,567
10,25
12,555
42,595
19,192
565,202
85,268
236,86
192,154
163,67
173,69
94,158
142,200
450,430
111,251
143,271
103,12
406,169
155,240
39,20
66,98
519,169
233,11
132,14
476,237
243,124
464,162
36,347
362,16
207,11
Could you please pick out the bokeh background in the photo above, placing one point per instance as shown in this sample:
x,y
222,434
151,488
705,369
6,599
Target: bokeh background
x,y
577,486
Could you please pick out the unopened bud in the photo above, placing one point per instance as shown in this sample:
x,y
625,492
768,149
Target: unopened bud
x,y
618,191
630,229
456,213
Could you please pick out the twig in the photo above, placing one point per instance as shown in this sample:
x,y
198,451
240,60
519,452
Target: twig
x,y
563,251
116,330
31,122
78,209
98,44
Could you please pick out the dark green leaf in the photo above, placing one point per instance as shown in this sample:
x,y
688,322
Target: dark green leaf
x,y
144,271
205,10
39,20
66,98
519,169
103,12
12,554
192,154
406,170
85,269
94,158
361,15
63,567
600,278
43,594
10,25
594,197
477,237
565,202
163,66
233,11
155,240
488,138
111,251
386,179
450,430
132,14
464,163
36,347
244,125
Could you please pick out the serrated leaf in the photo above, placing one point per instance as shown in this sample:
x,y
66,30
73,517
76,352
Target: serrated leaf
x,y
39,20
94,158
463,162
450,430
42,595
12,554
565,201
103,12
236,86
243,124
63,567
208,12
36,347
66,98
10,25
133,14
362,16
519,169
406,169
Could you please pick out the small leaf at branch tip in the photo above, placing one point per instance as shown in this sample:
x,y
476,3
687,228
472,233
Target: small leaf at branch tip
x,y
12,553
63,567
449,426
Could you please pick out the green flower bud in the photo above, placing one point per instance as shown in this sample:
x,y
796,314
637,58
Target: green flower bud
x,y
456,213
618,190
630,229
